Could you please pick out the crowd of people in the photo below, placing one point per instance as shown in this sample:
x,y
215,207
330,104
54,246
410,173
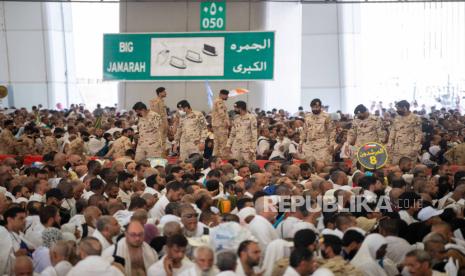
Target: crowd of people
x,y
154,191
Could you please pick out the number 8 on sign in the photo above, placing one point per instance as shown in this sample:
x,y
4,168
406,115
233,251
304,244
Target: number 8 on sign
x,y
372,155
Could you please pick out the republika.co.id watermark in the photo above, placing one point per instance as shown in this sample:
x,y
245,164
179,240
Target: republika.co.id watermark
x,y
356,204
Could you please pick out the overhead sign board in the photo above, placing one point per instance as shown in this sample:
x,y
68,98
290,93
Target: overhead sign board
x,y
188,56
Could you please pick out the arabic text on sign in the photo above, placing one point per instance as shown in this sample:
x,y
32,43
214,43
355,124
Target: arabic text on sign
x,y
258,66
255,46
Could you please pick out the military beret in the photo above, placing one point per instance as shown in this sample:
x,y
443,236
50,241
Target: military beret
x,y
403,103
360,109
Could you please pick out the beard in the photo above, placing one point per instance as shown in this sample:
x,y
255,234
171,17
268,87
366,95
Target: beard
x,y
379,193
252,263
208,272
349,256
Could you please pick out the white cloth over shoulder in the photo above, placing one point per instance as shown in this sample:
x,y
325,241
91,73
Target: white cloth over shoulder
x,y
227,273
275,251
149,255
159,269
158,210
196,271
397,249
94,265
103,241
365,259
60,269
290,271
263,231
6,256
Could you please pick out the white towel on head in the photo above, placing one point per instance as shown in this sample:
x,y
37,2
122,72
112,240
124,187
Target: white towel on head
x,y
169,218
245,213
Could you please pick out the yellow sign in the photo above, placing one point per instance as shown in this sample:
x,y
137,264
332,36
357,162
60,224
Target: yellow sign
x,y
372,155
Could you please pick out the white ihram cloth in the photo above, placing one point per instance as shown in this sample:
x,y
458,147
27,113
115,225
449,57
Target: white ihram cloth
x,y
397,249
94,265
365,259
149,255
275,251
263,231
158,268
60,269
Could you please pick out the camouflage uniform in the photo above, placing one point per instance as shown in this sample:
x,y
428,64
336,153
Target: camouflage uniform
x,y
150,141
76,146
456,155
158,105
405,138
26,145
280,266
243,138
50,144
192,131
220,124
120,146
317,136
339,266
369,130
7,142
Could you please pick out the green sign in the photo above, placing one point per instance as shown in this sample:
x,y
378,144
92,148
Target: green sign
x,y
372,156
188,56
212,16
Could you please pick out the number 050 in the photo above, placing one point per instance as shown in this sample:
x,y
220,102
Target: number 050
x,y
212,23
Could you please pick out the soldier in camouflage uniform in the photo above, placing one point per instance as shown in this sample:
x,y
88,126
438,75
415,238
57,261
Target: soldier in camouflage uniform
x,y
158,105
405,134
366,128
332,260
121,145
7,139
242,142
150,143
318,136
26,143
76,145
191,132
456,155
220,123
50,142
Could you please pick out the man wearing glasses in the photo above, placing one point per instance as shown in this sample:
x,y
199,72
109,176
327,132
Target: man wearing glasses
x,y
135,255
189,219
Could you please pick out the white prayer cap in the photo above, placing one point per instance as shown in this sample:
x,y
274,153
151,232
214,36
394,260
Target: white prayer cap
x,y
21,200
302,225
169,218
358,229
434,149
123,217
328,231
428,212
245,213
